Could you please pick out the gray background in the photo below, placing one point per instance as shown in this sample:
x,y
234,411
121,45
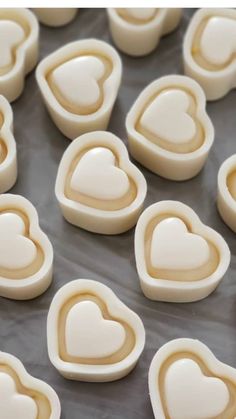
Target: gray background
x,y
79,254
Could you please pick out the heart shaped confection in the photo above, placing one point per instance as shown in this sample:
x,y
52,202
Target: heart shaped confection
x,y
226,199
24,396
168,129
209,51
97,186
186,381
92,335
19,33
178,258
25,252
79,83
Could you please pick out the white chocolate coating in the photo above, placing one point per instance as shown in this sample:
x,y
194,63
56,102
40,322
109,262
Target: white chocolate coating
x,y
168,129
75,308
55,17
138,31
181,283
186,381
71,121
226,198
209,51
19,31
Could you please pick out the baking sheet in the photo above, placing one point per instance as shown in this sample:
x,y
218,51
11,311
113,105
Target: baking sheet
x,y
79,254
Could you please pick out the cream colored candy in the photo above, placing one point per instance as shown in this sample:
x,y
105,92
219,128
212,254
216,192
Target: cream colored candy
x,y
97,186
137,31
8,156
209,51
168,129
92,335
226,199
178,258
19,33
26,254
55,16
24,396
79,84
186,381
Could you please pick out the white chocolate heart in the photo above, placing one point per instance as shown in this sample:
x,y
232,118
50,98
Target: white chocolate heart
x,y
140,13
173,247
89,335
97,176
190,394
167,118
16,251
13,404
11,35
218,40
77,80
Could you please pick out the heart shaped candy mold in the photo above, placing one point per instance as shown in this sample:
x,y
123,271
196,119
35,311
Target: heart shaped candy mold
x,y
178,258
97,186
8,156
91,334
209,51
226,199
24,396
168,129
19,33
186,381
26,254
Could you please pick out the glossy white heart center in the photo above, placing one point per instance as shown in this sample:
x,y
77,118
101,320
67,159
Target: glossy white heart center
x,y
191,395
140,13
12,404
16,250
11,35
77,80
97,176
173,247
167,118
89,335
218,40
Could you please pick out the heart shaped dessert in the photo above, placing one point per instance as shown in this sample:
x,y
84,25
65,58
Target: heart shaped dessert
x,y
79,84
97,187
8,158
168,129
26,254
209,51
186,381
226,199
24,396
92,335
54,16
19,34
178,258
137,31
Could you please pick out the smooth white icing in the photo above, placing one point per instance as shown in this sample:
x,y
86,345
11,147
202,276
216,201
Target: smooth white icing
x,y
16,250
218,40
89,335
77,80
173,247
97,176
167,118
140,13
189,394
11,35
12,404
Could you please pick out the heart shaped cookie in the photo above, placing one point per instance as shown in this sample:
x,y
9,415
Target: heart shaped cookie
x,y
168,129
92,335
79,83
137,31
226,198
26,254
19,33
24,396
8,155
97,187
178,258
209,51
186,381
